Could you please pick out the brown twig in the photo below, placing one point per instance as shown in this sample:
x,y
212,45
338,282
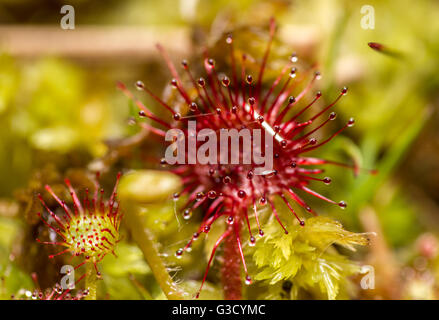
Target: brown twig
x,y
381,257
90,42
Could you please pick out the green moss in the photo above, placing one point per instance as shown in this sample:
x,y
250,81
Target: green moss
x,y
305,256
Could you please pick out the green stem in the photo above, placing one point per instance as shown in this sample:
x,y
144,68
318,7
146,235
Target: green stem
x,y
138,190
145,239
90,281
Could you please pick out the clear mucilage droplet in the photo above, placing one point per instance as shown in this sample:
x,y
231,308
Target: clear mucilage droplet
x,y
179,253
187,214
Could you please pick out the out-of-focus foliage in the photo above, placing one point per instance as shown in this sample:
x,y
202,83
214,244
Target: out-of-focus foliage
x,y
12,279
47,106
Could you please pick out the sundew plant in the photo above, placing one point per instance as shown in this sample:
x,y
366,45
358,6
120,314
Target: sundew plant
x,y
225,150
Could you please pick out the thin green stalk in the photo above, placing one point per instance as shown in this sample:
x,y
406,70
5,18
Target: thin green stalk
x,y
146,242
137,190
90,281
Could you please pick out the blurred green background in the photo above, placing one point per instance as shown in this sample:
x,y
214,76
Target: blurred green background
x,y
59,106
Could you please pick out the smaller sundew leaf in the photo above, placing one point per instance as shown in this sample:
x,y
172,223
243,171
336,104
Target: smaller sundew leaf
x,y
89,230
